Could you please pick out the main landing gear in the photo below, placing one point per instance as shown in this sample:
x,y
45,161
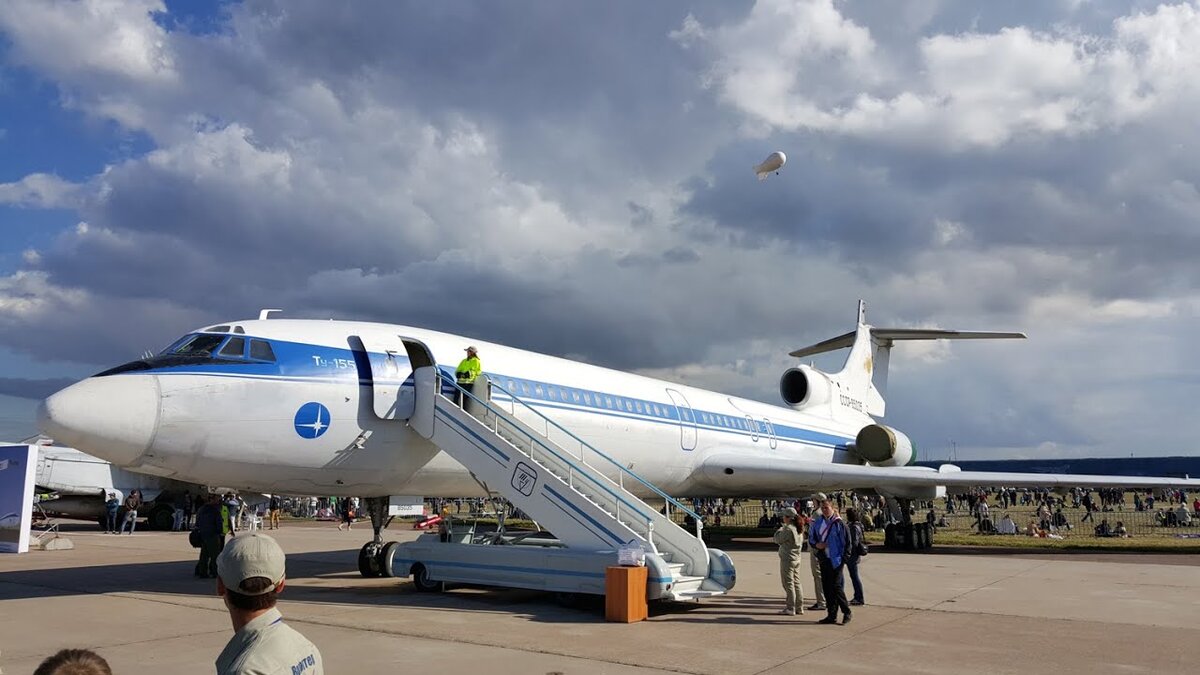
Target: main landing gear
x,y
905,535
375,557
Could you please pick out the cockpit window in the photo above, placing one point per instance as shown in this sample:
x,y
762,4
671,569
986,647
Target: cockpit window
x,y
261,350
235,348
199,344
201,349
217,329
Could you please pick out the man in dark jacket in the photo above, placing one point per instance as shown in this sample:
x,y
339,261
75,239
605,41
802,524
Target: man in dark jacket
x,y
132,503
212,537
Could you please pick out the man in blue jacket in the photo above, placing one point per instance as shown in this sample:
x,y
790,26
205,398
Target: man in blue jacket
x,y
829,538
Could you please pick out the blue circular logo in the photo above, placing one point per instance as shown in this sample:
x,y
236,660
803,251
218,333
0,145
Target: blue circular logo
x,y
312,419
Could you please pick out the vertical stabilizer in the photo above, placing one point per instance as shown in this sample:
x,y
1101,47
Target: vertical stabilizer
x,y
856,378
862,381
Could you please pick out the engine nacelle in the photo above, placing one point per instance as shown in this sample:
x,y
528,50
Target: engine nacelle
x,y
884,446
805,387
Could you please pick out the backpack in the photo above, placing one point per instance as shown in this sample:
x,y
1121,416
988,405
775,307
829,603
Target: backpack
x,y
859,540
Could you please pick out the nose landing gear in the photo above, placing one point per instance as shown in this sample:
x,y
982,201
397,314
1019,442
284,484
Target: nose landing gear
x,y
375,557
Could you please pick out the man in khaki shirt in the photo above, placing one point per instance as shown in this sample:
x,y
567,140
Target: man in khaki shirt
x,y
250,576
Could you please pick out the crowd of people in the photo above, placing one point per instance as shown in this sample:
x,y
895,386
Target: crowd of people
x,y
990,511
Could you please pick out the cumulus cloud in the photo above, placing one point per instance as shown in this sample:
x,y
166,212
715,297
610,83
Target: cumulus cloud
x,y
783,67
40,191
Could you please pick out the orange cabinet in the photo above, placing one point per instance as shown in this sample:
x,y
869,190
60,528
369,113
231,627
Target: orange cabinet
x,y
625,594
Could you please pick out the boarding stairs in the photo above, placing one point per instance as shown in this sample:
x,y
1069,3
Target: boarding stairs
x,y
569,487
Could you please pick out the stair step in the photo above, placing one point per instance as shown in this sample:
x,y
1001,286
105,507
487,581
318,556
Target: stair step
x,y
683,595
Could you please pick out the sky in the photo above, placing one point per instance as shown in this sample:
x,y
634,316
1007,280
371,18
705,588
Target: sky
x,y
575,178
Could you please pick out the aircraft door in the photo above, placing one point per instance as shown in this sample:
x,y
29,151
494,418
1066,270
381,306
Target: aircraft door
x,y
383,362
770,432
687,420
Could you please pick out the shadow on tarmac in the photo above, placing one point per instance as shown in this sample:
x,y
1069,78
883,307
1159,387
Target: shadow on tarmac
x,y
309,576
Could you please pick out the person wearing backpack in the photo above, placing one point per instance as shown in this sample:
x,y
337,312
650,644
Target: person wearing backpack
x,y
858,548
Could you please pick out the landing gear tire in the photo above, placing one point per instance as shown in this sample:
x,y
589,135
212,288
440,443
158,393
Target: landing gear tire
x,y
368,561
387,558
422,582
924,537
161,518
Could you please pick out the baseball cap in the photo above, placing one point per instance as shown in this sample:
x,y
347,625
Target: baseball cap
x,y
789,511
820,497
250,555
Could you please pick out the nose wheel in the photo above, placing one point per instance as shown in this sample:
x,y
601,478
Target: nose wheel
x,y
368,560
375,557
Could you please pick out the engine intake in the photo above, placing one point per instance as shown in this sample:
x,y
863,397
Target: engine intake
x,y
884,446
804,387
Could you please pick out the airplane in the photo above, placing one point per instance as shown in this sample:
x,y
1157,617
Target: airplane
x,y
79,484
332,408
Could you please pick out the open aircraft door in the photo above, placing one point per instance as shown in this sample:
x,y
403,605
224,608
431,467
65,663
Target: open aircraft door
x,y
383,362
687,420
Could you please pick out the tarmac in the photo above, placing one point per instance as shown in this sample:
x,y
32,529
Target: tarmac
x,y
134,600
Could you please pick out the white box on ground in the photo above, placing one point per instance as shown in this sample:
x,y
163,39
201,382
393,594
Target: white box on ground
x,y
406,506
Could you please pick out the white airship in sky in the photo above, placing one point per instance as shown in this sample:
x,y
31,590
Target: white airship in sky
x,y
774,162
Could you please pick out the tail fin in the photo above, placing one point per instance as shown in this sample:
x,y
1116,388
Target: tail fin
x,y
864,375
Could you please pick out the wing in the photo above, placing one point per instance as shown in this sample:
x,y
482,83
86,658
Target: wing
x,y
760,474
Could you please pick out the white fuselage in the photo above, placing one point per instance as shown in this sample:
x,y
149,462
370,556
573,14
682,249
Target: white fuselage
x,y
261,425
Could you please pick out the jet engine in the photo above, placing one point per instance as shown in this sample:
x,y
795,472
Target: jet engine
x,y
805,387
884,446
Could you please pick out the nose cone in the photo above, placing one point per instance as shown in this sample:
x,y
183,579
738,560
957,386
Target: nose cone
x,y
113,417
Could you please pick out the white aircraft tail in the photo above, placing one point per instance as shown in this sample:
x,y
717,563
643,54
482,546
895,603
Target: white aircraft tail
x,y
863,378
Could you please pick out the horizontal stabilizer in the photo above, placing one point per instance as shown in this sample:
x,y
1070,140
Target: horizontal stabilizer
x,y
884,336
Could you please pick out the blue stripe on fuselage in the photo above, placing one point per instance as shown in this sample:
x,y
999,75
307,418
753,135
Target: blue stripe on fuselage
x,y
306,362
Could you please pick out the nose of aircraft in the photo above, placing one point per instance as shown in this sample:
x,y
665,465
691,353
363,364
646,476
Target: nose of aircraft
x,y
113,417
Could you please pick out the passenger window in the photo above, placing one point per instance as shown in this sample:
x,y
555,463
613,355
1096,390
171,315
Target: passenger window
x,y
261,350
638,405
235,348
587,398
575,396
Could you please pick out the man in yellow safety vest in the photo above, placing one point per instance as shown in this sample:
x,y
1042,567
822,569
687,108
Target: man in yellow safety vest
x,y
466,373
